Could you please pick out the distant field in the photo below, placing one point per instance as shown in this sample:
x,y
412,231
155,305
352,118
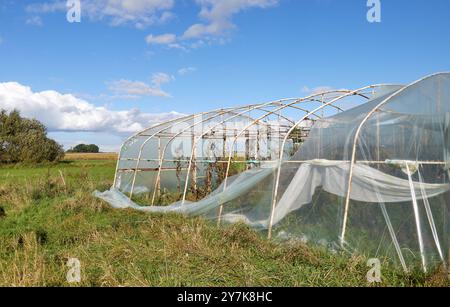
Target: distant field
x,y
90,156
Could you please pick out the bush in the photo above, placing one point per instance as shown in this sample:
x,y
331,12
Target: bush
x,y
25,140
83,148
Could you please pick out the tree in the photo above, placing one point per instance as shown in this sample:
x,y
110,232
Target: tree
x,y
83,148
25,140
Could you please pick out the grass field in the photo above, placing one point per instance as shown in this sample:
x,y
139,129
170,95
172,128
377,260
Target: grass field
x,y
111,156
47,215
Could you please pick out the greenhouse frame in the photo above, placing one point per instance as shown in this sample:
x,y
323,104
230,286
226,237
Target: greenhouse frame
x,y
363,170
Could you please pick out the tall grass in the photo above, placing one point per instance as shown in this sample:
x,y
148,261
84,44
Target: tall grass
x,y
48,215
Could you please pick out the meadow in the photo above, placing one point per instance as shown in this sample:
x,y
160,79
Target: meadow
x,y
48,215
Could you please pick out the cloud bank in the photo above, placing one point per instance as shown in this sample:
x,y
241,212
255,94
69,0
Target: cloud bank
x,y
65,112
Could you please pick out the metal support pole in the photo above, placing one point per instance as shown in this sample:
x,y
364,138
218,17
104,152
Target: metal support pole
x,y
280,161
353,157
309,98
417,218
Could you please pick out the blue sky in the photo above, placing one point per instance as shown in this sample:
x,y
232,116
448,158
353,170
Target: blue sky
x,y
130,63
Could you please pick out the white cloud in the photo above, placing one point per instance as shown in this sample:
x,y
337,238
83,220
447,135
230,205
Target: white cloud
x,y
317,90
161,78
47,7
166,16
177,46
134,89
65,112
34,21
186,70
218,16
170,40
164,39
141,13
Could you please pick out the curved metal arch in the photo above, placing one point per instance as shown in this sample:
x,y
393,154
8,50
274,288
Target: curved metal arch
x,y
301,109
192,117
280,115
308,98
137,135
277,180
304,110
217,110
220,113
161,158
208,131
260,107
355,140
183,119
245,116
252,107
174,122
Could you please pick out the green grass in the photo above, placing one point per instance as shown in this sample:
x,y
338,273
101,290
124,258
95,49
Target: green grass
x,y
47,215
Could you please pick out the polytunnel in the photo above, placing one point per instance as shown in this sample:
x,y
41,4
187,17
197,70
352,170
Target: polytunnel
x,y
363,170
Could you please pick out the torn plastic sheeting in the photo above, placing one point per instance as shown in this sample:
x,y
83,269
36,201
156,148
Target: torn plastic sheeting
x,y
369,185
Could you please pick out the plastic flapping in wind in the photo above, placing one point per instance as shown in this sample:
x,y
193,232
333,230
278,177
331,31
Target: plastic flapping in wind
x,y
364,170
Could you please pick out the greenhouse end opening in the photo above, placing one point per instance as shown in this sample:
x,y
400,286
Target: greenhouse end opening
x,y
364,170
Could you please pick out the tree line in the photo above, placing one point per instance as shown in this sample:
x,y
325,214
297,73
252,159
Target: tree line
x,y
83,148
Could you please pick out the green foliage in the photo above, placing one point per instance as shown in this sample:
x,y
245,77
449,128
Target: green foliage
x,y
25,140
83,148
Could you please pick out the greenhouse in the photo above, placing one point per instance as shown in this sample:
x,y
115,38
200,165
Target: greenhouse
x,y
364,170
